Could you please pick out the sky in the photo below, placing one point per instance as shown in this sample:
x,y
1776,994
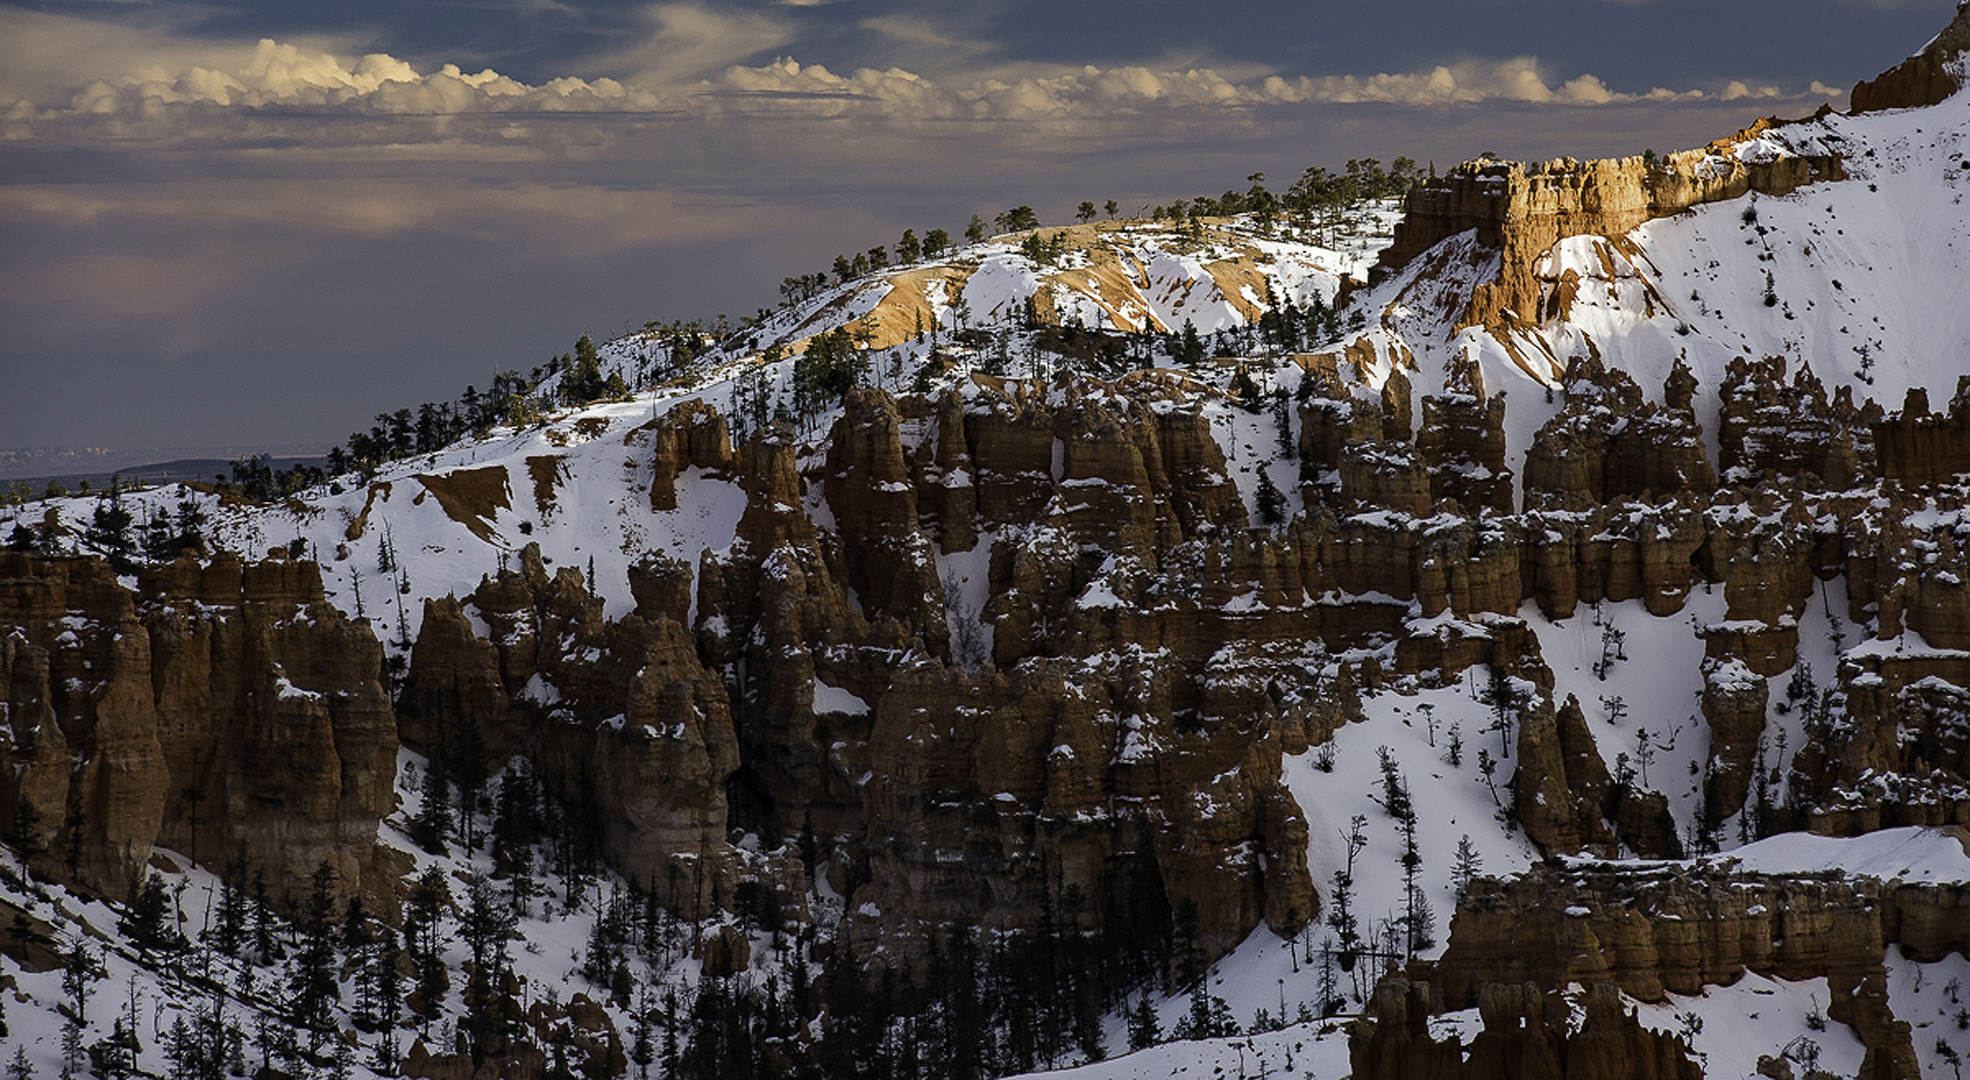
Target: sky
x,y
260,224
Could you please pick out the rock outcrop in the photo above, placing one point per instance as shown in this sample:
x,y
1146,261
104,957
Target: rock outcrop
x,y
1522,210
220,708
1927,78
1676,929
1527,1033
617,717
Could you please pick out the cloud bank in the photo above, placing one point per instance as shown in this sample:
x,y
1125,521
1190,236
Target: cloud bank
x,y
686,70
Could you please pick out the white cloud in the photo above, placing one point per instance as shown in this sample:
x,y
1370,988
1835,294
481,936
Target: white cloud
x,y
44,57
1737,90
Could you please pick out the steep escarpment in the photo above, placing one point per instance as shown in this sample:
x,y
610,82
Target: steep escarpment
x,y
221,708
1654,930
1027,636
955,761
1929,77
1523,210
1527,1032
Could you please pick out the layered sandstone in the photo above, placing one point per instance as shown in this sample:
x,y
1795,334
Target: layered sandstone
x,y
1927,78
1527,1033
221,708
1655,930
1523,210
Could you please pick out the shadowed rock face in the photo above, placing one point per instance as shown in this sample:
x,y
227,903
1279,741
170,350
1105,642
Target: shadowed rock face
x,y
1927,78
219,709
1527,1033
1652,930
1108,709
953,764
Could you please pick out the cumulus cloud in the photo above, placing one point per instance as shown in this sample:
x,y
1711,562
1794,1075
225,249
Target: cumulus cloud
x,y
44,56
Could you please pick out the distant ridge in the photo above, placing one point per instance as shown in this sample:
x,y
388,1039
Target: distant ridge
x,y
162,463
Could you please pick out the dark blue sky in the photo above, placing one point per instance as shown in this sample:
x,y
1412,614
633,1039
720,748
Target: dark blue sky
x,y
1636,44
208,240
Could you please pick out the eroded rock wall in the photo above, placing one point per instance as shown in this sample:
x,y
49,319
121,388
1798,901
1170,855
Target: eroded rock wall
x,y
219,708
1523,210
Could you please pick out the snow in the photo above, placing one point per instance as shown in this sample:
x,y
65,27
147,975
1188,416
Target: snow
x,y
1909,854
833,699
1312,1049
1731,1027
1660,686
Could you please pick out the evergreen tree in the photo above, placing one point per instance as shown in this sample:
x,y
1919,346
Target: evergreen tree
x,y
1342,918
313,982
469,770
109,531
357,941
428,897
487,924
1272,504
643,1050
150,923
116,1056
1465,865
1190,348
266,945
81,969
1144,1031
433,825
388,988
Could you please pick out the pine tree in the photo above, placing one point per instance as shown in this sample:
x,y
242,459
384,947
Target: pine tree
x,y
116,1056
388,986
266,945
469,770
434,807
313,981
109,531
1465,865
1342,918
1144,1031
81,969
1190,350
150,924
428,896
486,926
357,941
1272,505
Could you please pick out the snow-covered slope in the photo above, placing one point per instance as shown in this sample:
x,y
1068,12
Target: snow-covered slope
x,y
1860,280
